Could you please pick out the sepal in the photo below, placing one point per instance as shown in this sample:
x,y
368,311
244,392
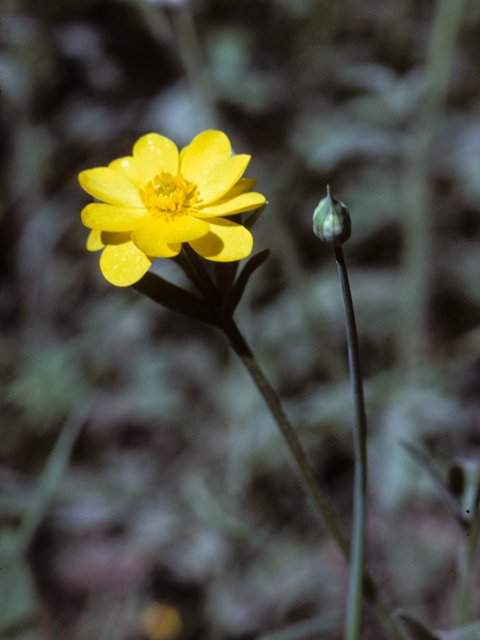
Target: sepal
x,y
235,294
175,298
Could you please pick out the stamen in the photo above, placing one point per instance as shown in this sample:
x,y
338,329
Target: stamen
x,y
169,196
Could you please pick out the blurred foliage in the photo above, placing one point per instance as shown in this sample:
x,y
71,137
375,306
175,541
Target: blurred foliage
x,y
179,491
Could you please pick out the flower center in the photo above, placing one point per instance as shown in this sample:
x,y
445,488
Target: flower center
x,y
169,196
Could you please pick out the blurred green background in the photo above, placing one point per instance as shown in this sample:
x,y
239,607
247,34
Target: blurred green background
x,y
144,489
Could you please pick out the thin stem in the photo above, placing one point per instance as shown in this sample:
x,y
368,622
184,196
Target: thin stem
x,y
291,438
357,565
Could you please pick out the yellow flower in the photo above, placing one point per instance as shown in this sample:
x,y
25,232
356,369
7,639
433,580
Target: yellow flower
x,y
157,199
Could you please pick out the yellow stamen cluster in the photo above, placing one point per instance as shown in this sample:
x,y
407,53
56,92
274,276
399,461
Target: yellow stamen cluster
x,y
168,195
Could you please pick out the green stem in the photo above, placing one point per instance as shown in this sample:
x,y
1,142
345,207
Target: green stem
x,y
357,565
273,402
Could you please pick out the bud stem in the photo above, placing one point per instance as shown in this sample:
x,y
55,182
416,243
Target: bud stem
x,y
357,554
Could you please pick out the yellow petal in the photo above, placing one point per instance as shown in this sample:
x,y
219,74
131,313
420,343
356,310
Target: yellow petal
x,y
148,240
229,206
110,186
205,149
116,237
242,186
127,167
124,264
94,242
111,218
207,162
180,229
218,179
153,154
226,241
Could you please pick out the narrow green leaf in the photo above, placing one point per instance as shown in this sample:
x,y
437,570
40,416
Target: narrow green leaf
x,y
175,298
235,294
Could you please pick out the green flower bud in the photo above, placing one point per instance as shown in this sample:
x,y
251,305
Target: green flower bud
x,y
331,221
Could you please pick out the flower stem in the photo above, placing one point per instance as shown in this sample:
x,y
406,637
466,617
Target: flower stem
x,y
357,565
273,402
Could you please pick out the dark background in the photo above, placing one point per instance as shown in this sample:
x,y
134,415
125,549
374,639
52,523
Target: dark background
x,y
178,488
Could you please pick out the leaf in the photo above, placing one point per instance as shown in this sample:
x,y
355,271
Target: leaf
x,y
175,298
234,296
416,629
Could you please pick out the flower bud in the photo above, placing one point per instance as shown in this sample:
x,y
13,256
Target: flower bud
x,y
331,221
